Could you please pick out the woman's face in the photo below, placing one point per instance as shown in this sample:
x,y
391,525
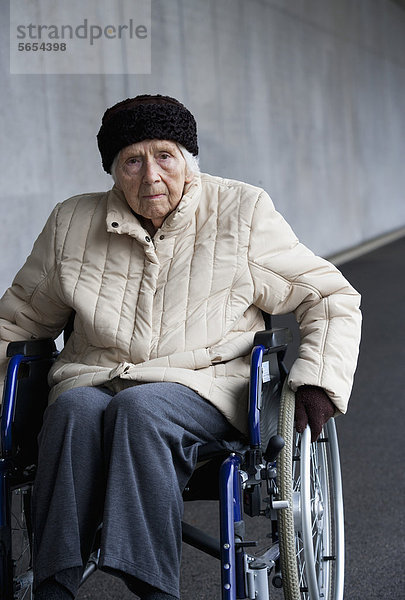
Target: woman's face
x,y
152,175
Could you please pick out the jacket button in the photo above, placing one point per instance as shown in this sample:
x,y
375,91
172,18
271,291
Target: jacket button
x,y
147,238
114,224
161,237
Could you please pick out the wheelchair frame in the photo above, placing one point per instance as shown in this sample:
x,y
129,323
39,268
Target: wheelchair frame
x,y
304,505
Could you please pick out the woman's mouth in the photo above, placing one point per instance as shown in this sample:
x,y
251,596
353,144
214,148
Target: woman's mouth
x,y
153,196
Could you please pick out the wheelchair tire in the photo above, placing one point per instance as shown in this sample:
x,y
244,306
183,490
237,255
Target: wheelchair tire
x,y
311,529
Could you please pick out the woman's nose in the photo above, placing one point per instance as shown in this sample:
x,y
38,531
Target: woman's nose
x,y
151,172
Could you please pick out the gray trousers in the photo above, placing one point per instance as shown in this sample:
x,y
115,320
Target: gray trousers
x,y
123,460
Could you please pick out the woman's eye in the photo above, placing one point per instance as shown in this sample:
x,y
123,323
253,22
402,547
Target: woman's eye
x,y
164,156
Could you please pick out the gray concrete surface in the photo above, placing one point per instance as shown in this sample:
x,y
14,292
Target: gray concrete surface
x,y
304,98
372,433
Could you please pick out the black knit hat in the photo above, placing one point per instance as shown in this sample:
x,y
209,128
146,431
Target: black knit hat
x,y
143,118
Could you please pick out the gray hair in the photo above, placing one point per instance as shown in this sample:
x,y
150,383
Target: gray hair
x,y
191,162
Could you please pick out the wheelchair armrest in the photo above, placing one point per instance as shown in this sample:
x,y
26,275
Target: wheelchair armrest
x,y
44,347
273,340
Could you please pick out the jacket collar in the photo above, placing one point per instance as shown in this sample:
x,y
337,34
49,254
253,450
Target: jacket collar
x,y
121,220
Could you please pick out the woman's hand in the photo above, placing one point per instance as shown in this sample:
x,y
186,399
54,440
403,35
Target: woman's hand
x,y
314,407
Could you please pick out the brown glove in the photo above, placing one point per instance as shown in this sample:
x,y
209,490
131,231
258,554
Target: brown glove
x,y
313,407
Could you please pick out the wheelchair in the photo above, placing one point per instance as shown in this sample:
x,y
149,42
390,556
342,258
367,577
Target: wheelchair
x,y
276,475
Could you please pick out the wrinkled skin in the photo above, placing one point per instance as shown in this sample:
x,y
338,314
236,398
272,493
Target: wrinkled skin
x,y
152,175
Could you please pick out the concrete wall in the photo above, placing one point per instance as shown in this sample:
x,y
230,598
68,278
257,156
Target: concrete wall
x,y
303,97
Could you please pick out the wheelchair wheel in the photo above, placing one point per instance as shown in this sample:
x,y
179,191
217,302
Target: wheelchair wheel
x,y
311,530
21,542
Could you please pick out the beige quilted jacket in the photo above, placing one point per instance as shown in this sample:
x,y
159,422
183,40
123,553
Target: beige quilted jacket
x,y
184,305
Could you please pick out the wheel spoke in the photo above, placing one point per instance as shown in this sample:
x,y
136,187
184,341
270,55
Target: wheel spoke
x,y
21,548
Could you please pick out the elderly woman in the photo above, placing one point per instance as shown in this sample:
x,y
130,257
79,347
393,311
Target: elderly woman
x,y
167,274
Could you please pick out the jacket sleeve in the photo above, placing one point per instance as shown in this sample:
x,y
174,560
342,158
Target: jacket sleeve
x,y
32,308
287,277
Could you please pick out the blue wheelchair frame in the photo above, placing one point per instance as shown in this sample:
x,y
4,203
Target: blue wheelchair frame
x,y
231,550
233,557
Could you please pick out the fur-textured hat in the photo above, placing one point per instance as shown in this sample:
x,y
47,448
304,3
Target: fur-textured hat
x,y
142,118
